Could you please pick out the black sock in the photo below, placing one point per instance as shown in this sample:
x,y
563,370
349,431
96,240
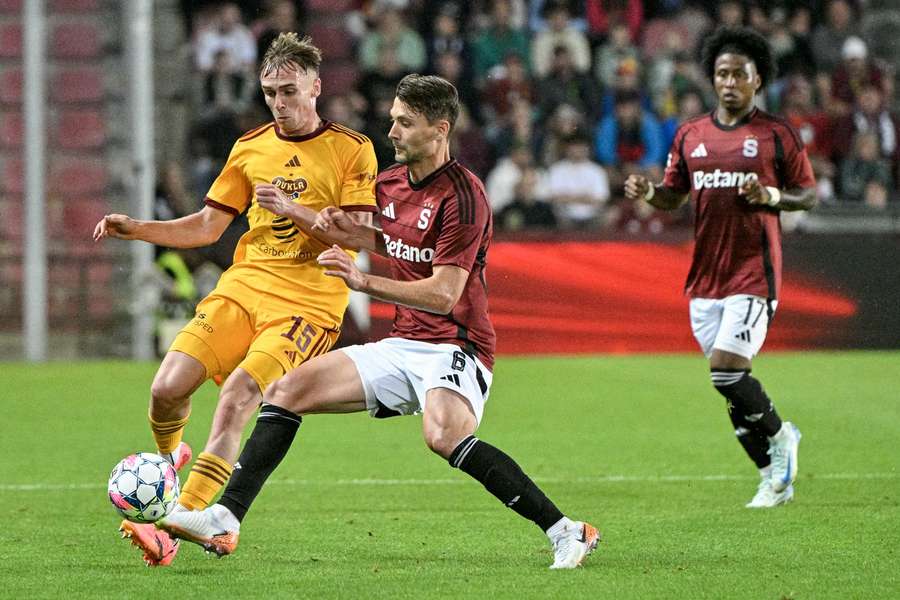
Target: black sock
x,y
267,445
502,477
752,412
755,443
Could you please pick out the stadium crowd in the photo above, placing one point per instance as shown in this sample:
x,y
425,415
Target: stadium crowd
x,y
562,99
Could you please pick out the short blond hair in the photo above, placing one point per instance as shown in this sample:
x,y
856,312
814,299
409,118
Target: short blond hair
x,y
289,48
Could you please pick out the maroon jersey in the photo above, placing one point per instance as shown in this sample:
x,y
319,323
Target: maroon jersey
x,y
445,219
738,246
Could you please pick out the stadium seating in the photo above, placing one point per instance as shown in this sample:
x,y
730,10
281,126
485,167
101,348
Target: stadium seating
x,y
332,40
78,177
13,176
83,84
80,129
75,41
11,82
73,6
12,130
329,6
10,40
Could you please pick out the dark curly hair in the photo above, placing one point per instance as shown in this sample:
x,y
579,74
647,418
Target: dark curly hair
x,y
743,41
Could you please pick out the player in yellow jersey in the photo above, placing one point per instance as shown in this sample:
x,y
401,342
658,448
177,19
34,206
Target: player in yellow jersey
x,y
273,308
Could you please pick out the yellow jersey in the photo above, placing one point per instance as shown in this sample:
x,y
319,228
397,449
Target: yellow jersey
x,y
332,166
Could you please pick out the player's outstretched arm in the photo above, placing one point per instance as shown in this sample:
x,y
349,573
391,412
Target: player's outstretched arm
x,y
193,231
437,294
638,187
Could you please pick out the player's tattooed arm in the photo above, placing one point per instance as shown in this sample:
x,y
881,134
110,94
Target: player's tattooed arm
x,y
638,187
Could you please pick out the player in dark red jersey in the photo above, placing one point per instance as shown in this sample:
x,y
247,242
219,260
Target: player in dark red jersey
x,y
436,230
741,166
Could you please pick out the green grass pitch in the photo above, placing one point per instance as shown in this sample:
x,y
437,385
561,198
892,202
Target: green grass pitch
x,y
639,445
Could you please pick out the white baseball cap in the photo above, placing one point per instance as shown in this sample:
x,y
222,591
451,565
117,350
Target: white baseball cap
x,y
854,48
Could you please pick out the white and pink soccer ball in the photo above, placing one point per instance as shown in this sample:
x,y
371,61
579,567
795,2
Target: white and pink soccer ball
x,y
143,487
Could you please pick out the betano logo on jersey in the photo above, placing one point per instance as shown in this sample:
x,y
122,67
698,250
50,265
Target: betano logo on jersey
x,y
720,179
398,249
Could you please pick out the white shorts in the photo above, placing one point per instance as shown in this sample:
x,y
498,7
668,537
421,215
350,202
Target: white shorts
x,y
736,324
397,373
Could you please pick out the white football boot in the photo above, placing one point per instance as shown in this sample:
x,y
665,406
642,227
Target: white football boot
x,y
214,528
767,497
572,542
783,450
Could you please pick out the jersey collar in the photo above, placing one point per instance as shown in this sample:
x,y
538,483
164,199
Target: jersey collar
x,y
744,120
306,136
431,176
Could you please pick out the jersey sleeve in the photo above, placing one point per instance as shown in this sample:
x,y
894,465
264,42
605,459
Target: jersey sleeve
x,y
231,191
796,170
465,219
676,176
358,188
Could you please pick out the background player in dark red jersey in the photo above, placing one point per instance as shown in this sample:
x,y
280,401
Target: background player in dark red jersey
x,y
741,166
436,229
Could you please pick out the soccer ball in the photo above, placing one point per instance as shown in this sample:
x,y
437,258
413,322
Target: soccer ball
x,y
143,487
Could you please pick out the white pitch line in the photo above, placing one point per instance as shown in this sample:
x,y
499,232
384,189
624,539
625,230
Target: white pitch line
x,y
44,487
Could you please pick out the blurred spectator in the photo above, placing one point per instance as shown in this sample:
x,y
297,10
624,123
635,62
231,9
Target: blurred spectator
x,y
564,123
616,52
505,85
853,74
340,109
871,116
538,19
601,14
497,41
865,176
527,210
445,36
225,92
828,38
730,13
501,182
815,128
559,33
469,145
758,18
280,16
517,128
792,52
662,70
380,84
690,104
450,66
565,85
578,187
630,140
226,33
392,33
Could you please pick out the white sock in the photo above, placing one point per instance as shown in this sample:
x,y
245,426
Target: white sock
x,y
765,472
560,527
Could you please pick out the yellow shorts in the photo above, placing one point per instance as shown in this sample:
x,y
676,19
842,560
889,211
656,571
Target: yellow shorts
x,y
265,343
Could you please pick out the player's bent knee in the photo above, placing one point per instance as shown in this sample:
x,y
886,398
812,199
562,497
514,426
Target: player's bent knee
x,y
441,441
168,391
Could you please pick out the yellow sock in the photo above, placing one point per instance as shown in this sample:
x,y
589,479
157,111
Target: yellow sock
x,y
168,433
207,477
